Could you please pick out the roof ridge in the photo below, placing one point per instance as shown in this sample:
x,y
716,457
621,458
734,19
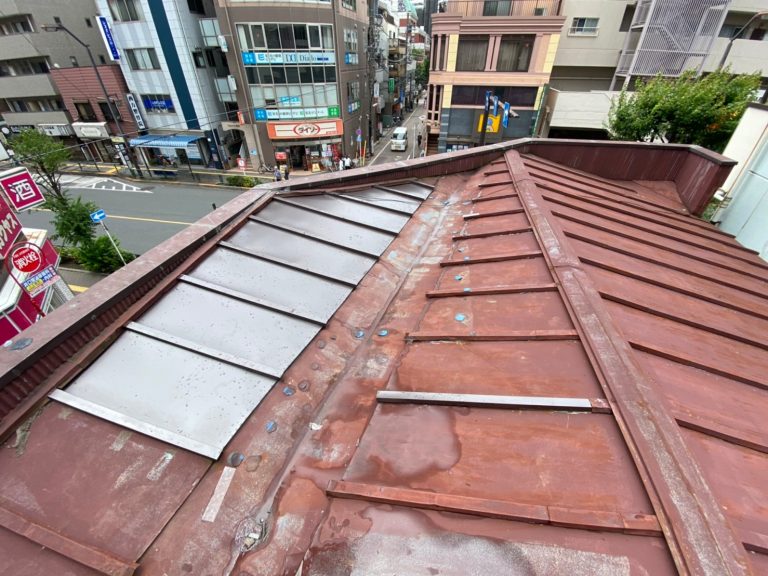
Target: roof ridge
x,y
700,538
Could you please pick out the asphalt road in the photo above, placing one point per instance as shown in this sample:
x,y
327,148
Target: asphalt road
x,y
141,215
414,122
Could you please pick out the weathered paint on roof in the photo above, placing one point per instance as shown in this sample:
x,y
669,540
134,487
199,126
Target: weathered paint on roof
x,y
547,371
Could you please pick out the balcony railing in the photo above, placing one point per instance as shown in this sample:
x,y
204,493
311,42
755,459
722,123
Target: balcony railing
x,y
500,7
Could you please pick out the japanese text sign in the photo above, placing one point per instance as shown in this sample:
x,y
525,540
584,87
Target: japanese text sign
x,y
21,189
10,228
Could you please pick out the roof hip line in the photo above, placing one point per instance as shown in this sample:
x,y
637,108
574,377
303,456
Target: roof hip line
x,y
700,539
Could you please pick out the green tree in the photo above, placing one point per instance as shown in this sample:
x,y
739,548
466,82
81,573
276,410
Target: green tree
x,y
72,220
45,157
686,110
422,72
99,255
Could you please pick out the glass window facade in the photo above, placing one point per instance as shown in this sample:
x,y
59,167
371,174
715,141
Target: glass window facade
x,y
290,70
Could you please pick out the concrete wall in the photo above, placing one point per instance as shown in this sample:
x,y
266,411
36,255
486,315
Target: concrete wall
x,y
600,50
580,109
745,56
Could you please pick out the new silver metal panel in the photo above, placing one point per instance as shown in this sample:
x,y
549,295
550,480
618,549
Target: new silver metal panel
x,y
411,188
302,252
140,380
385,199
326,228
304,294
230,325
354,211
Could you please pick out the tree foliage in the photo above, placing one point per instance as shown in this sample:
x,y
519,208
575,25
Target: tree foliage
x,y
686,110
422,72
72,220
99,255
45,157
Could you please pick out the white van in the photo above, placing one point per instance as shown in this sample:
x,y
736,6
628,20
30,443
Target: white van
x,y
399,139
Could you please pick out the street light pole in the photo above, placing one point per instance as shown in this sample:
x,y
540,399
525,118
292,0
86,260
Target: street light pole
x,y
736,37
110,106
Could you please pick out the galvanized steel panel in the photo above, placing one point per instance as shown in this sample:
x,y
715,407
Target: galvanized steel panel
x,y
355,211
411,188
190,396
230,325
326,228
384,199
305,294
302,252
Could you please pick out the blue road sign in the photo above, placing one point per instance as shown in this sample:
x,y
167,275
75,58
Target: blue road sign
x,y
505,118
98,216
487,99
495,105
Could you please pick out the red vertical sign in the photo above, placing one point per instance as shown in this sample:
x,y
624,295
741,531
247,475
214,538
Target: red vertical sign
x,y
21,189
10,228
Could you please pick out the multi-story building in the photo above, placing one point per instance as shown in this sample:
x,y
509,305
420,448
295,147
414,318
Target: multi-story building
x,y
505,47
28,96
607,44
172,58
302,80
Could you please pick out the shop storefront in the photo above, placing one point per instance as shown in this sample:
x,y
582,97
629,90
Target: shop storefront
x,y
96,145
314,146
171,149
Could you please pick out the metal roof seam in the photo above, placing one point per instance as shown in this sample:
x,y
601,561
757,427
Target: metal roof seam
x,y
700,538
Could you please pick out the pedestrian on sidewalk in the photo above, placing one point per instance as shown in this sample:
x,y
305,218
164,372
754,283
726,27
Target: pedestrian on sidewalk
x,y
278,176
287,172
347,162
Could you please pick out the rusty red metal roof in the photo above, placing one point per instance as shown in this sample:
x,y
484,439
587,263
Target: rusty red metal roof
x,y
553,369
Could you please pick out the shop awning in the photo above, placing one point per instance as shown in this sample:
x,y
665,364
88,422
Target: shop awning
x,y
160,141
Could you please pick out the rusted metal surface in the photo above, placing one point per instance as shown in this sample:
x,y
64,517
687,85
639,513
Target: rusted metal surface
x,y
488,394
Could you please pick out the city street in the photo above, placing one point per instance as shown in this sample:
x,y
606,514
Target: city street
x,y
141,215
415,123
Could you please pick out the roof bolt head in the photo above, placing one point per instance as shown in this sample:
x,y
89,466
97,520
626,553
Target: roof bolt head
x,y
271,426
235,459
289,391
460,317
321,344
383,333
466,258
304,385
467,289
359,334
458,277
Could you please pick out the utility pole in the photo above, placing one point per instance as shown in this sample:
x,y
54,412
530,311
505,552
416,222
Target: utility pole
x,y
125,150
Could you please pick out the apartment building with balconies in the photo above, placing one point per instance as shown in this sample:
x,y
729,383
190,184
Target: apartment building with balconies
x,y
608,44
504,46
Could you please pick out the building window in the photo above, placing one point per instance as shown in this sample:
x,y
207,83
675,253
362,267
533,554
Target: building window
x,y
102,59
107,113
209,27
158,103
142,59
626,19
472,53
583,27
287,37
85,112
73,61
196,6
125,10
349,4
23,67
515,53
88,23
353,91
350,46
17,105
199,59
521,96
496,7
15,25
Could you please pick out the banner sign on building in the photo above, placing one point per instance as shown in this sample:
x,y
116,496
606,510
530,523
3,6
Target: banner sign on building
x,y
10,228
106,34
263,114
257,58
294,130
135,111
20,189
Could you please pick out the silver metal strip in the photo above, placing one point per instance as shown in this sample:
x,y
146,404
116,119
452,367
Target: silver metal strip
x,y
242,296
286,264
120,419
483,400
204,350
411,195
